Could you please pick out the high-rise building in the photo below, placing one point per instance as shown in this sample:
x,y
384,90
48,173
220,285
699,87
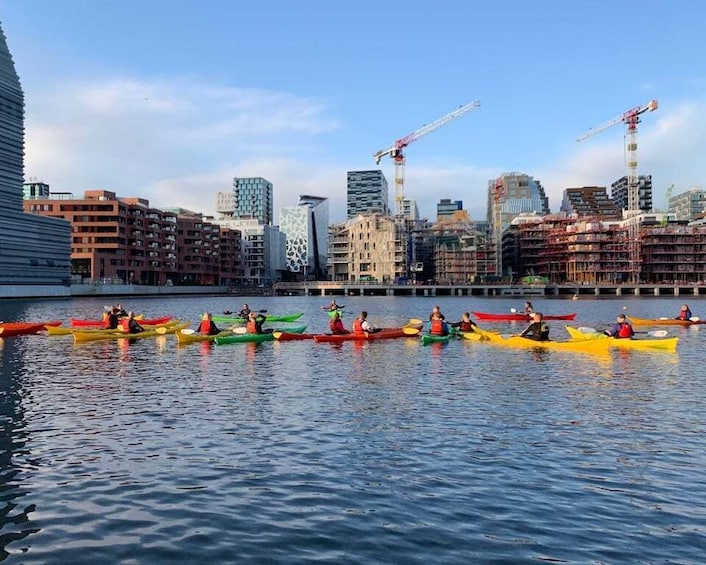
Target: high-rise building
x,y
367,193
305,227
447,208
409,209
590,201
619,193
688,205
34,190
251,198
34,250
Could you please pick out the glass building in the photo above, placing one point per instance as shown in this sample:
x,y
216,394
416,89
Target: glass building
x,y
34,250
251,198
367,193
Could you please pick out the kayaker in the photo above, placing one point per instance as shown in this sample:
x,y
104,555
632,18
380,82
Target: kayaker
x,y
111,319
361,324
336,325
529,309
436,311
207,327
130,324
466,324
622,328
538,330
244,311
333,306
684,313
437,325
120,311
255,322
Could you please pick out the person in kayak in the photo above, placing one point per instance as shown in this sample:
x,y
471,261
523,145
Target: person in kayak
x,y
207,327
336,325
255,322
437,325
684,313
244,311
538,330
333,306
622,328
436,311
111,320
130,324
361,324
466,324
529,309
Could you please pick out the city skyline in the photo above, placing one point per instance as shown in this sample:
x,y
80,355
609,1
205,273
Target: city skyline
x,y
171,105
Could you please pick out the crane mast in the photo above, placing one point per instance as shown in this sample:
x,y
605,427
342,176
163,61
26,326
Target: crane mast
x,y
396,151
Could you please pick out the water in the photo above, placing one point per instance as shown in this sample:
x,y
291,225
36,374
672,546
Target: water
x,y
378,452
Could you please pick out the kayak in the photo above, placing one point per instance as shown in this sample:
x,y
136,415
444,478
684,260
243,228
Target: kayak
x,y
189,337
10,329
332,313
664,322
667,344
386,333
584,345
63,330
486,317
428,339
289,336
273,318
472,336
253,338
143,321
86,336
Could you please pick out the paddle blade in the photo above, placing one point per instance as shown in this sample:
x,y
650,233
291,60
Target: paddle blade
x,y
161,330
188,331
694,319
408,330
415,322
513,310
658,333
587,330
239,331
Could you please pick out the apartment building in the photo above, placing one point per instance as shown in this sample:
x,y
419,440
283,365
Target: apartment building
x,y
589,201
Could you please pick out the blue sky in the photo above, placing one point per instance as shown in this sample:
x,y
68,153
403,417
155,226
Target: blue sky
x,y
169,101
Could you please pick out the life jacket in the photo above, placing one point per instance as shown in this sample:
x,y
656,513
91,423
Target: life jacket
x,y
625,330
251,327
684,315
465,326
125,324
436,327
205,327
358,326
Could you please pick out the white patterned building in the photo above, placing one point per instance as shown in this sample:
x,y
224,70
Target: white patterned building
x,y
306,229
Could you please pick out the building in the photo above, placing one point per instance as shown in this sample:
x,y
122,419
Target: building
x,y
34,250
619,193
367,193
447,209
251,198
410,211
305,227
589,201
368,248
34,190
688,205
197,248
461,255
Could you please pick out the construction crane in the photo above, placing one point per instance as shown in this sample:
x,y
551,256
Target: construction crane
x,y
397,149
631,118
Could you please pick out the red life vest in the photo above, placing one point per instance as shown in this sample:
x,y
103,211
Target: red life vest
x,y
125,324
436,327
251,327
205,327
625,330
358,326
466,327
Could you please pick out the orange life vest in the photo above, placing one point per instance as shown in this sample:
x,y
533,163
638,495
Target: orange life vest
x,y
251,327
436,327
125,324
358,326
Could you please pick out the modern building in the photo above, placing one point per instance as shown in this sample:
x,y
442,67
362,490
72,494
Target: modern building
x,y
619,193
305,227
367,193
34,190
688,205
34,250
251,198
447,208
410,211
197,249
589,201
368,248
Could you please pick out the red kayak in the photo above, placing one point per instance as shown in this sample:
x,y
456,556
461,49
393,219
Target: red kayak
x,y
517,317
387,333
288,336
143,322
10,329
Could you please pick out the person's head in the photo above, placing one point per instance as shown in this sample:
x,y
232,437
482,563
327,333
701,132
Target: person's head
x,y
684,307
131,314
537,316
363,315
253,315
435,310
621,318
528,304
466,316
206,316
245,306
436,315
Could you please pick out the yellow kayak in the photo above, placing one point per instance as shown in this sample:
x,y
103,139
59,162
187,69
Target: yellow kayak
x,y
664,344
597,345
62,330
86,336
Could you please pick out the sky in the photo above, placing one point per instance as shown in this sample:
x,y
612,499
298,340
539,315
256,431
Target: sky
x,y
170,100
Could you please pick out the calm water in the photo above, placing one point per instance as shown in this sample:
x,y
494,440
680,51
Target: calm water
x,y
382,452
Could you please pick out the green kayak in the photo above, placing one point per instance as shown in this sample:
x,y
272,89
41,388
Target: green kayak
x,y
428,338
270,318
254,338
